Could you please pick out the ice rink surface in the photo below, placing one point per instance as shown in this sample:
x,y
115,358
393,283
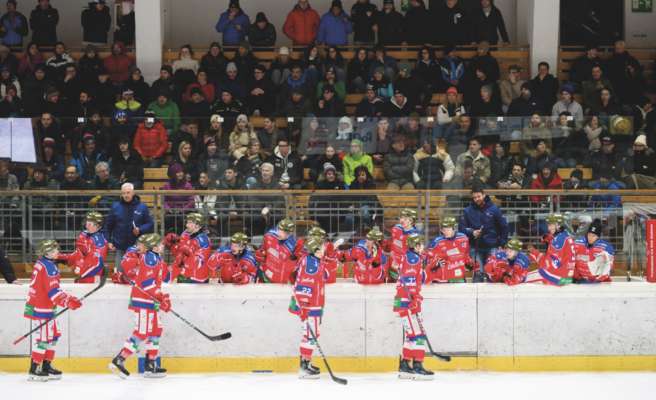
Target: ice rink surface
x,y
447,385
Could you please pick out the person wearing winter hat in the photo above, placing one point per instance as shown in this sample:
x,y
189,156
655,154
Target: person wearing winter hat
x,y
335,26
262,33
640,163
594,257
233,24
344,128
567,103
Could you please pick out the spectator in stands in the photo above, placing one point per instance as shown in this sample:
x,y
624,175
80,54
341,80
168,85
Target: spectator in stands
x,y
458,135
511,88
634,88
166,111
607,160
261,33
335,26
488,104
617,64
329,156
363,15
452,23
329,179
397,106
151,141
127,164
214,63
484,61
381,85
104,92
581,70
34,91
382,60
605,104
302,24
354,159
118,64
125,24
371,104
139,86
287,164
448,113
517,179
474,85
268,135
329,105
485,226
86,160
71,86
419,95
548,179
11,105
241,136
297,81
488,23
214,161
58,62
295,106
13,26
330,79
569,142
428,70
202,82
606,201
89,66
215,131
500,164
249,165
39,181
53,162
594,131
233,24
165,84
8,79
103,180
53,104
526,104
197,107
228,108
185,68
335,61
545,87
433,166
481,164
71,179
43,22
531,134
245,61
399,165
567,104
177,205
30,61
593,86
232,83
128,104
418,23
95,127
538,158
96,22
452,68
281,67
185,158
575,182
48,127
640,161
389,24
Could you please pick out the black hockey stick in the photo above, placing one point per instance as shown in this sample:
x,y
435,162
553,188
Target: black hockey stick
x,y
215,338
341,381
103,278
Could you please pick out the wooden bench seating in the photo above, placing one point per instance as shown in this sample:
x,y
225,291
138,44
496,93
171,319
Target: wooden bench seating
x,y
569,54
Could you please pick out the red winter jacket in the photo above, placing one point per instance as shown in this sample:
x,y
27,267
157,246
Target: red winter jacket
x,y
539,183
151,143
302,26
118,66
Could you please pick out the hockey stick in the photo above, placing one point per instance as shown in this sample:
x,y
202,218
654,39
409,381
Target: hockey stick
x,y
341,381
215,338
103,278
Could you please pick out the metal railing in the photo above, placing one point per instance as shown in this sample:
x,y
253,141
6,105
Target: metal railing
x,y
26,217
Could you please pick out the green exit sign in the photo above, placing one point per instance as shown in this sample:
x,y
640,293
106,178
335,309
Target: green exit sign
x,y
642,5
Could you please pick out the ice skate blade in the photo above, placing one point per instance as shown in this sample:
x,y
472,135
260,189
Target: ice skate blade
x,y
54,377
418,377
34,378
117,371
303,375
406,376
151,375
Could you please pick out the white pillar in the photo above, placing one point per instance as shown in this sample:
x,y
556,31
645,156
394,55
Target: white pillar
x,y
149,37
544,33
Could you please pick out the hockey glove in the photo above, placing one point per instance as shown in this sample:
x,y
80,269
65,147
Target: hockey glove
x,y
72,303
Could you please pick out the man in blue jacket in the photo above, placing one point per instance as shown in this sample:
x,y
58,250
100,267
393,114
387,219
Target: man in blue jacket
x,y
127,220
335,26
485,226
233,24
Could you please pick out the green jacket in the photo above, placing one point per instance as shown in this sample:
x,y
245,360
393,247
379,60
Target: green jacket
x,y
169,114
350,164
340,90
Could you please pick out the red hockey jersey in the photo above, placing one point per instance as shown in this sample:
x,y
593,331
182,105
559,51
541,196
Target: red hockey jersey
x,y
398,245
308,297
45,294
447,258
556,267
279,257
88,259
149,279
369,268
239,269
501,269
408,288
193,251
594,263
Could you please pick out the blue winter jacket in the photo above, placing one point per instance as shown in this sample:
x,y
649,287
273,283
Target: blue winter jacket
x,y
122,218
231,35
334,31
490,218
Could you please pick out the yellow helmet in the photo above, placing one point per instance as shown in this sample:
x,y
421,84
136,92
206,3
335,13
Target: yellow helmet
x,y
150,240
47,246
286,225
195,217
414,240
409,213
313,244
318,232
95,217
239,238
449,222
515,244
558,219
375,234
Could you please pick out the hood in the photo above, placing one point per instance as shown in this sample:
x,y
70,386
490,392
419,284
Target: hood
x,y
345,120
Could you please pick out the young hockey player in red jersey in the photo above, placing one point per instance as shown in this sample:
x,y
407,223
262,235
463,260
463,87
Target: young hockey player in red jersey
x,y
448,254
331,252
308,300
146,299
235,263
407,303
42,302
556,267
91,247
509,265
594,257
369,263
192,252
130,265
400,233
279,254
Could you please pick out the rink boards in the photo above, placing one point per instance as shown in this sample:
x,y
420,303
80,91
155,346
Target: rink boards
x,y
523,328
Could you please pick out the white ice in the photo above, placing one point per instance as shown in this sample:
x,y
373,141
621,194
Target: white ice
x,y
447,386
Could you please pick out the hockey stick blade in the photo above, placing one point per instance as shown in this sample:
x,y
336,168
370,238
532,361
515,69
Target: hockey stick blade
x,y
222,336
335,379
103,279
441,357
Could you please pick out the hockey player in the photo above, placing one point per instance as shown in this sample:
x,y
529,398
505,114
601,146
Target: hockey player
x,y
556,267
594,257
279,254
509,265
192,252
448,254
91,247
43,298
146,299
331,252
407,303
400,233
130,264
235,263
370,264
308,300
